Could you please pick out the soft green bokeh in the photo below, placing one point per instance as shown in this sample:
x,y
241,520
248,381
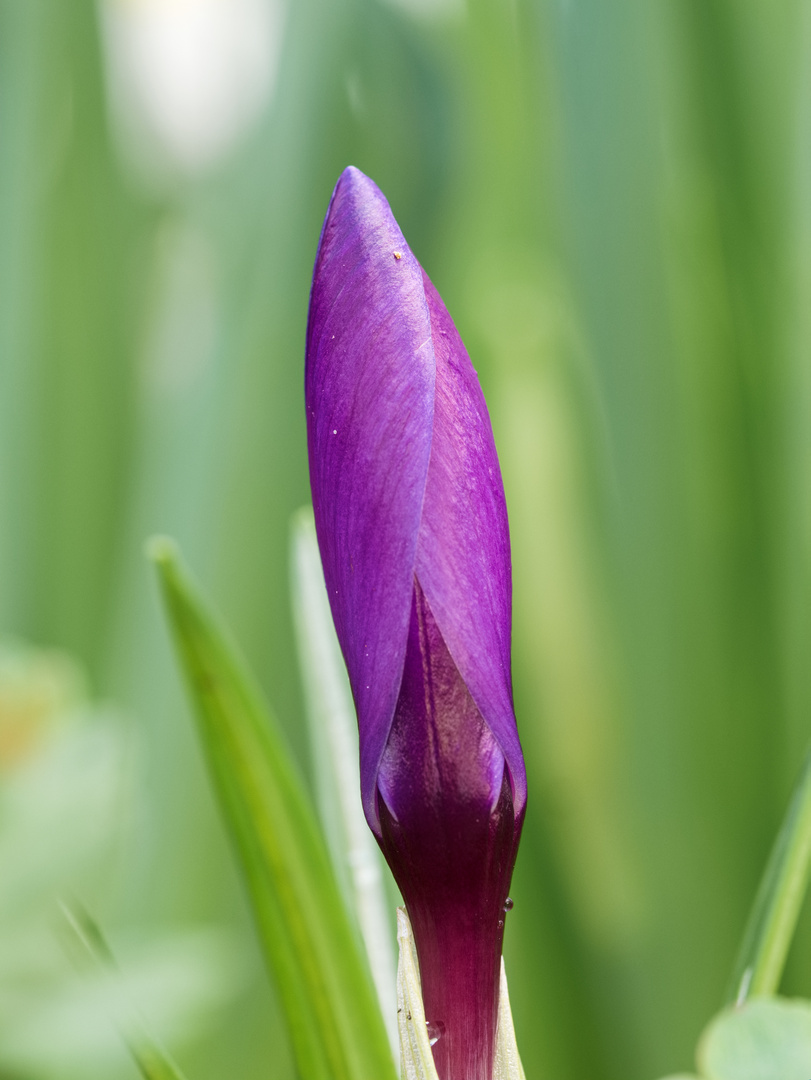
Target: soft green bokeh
x,y
769,1039
614,199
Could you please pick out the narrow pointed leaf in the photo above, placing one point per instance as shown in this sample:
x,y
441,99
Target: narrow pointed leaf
x,y
332,1014
777,904
152,1060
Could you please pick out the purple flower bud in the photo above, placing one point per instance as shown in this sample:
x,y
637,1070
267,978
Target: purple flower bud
x,y
412,526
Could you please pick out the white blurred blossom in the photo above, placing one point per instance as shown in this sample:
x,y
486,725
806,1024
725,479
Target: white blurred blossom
x,y
188,77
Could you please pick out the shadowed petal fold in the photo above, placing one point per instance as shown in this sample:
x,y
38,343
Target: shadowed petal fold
x,y
463,554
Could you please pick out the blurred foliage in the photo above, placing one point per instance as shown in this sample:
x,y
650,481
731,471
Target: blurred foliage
x,y
769,1039
68,795
615,202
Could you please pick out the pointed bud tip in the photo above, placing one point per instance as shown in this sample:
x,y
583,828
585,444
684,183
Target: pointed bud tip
x,y
352,176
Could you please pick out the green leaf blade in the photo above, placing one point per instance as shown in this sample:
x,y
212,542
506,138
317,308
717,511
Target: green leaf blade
x,y
777,905
335,1026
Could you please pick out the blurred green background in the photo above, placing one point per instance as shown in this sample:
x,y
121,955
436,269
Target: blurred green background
x,y
615,202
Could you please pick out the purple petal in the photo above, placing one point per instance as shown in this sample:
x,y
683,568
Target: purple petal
x,y
369,388
405,476
463,554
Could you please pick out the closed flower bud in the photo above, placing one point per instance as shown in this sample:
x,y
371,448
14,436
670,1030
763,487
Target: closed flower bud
x,y
412,526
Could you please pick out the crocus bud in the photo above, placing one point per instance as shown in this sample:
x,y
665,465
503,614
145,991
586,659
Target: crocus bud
x,y
412,527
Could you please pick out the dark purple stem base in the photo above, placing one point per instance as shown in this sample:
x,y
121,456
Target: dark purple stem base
x,y
449,835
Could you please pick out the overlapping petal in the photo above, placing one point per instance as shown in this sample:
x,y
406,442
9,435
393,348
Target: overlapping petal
x,y
369,390
463,552
405,478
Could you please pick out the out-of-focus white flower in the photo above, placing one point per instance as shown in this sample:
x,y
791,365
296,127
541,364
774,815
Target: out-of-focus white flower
x,y
188,77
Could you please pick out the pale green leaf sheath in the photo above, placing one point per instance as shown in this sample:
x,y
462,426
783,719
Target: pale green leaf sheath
x,y
334,744
507,1065
326,992
416,1059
